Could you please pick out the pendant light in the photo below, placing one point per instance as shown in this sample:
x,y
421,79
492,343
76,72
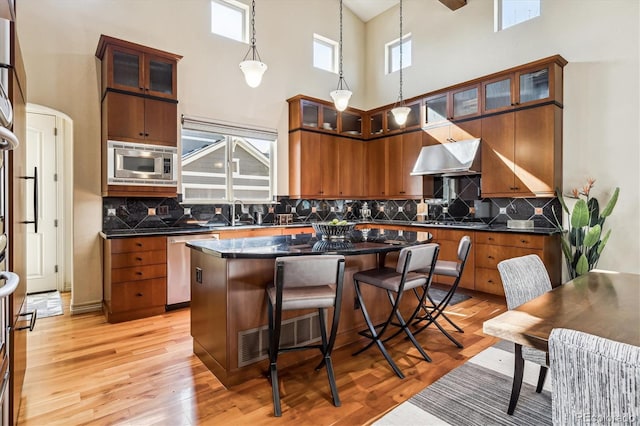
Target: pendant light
x,y
399,111
341,95
253,68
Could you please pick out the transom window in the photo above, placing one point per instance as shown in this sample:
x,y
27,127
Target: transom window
x,y
325,53
229,18
512,12
392,54
222,163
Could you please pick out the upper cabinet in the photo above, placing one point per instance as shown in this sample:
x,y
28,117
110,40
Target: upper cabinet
x,y
137,69
460,103
535,83
315,114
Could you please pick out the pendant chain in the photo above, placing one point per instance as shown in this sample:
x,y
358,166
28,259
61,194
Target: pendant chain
x,y
401,52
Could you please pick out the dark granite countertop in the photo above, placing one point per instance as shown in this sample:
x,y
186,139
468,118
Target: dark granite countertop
x,y
472,226
358,242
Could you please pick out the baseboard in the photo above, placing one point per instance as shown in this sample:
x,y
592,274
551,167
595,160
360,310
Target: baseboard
x,y
83,308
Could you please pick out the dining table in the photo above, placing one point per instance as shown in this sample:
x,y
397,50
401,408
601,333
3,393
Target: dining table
x,y
602,303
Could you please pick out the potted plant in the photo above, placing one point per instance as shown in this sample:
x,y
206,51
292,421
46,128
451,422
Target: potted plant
x,y
585,240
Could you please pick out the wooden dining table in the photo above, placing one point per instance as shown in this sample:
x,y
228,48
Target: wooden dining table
x,y
602,303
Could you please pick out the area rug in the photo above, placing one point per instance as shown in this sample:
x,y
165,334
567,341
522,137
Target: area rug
x,y
437,295
477,393
48,304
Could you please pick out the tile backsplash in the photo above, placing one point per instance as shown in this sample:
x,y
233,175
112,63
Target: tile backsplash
x,y
456,199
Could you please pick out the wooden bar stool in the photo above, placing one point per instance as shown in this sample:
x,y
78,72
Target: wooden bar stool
x,y
396,281
446,268
305,282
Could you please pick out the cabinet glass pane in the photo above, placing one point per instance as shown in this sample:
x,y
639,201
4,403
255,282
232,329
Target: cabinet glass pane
x,y
413,119
465,102
160,77
351,124
497,94
534,85
391,122
310,113
376,124
126,69
436,109
329,119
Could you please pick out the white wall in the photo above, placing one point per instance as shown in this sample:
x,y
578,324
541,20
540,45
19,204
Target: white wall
x,y
599,38
59,39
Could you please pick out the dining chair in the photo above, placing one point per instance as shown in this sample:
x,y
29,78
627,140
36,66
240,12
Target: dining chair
x,y
595,380
395,281
524,278
446,268
305,282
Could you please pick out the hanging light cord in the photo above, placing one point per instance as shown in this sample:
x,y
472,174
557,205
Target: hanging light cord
x,y
253,49
401,101
341,79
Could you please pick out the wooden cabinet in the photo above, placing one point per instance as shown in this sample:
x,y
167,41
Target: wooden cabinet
x,y
375,169
494,247
316,114
449,239
522,153
135,277
137,69
458,131
313,165
413,119
138,119
455,104
403,152
536,83
350,167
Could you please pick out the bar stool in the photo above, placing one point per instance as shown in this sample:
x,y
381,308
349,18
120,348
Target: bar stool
x,y
305,282
397,281
449,269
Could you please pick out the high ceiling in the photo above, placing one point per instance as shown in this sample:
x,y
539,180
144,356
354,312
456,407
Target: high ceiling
x,y
368,9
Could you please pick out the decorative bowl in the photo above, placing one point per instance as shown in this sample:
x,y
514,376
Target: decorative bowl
x,y
330,231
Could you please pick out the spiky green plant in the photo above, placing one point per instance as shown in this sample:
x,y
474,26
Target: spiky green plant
x,y
584,241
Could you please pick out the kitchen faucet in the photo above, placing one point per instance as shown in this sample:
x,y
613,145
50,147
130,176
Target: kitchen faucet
x,y
233,210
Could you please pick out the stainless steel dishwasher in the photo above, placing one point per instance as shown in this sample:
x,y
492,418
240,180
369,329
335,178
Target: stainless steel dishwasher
x,y
179,270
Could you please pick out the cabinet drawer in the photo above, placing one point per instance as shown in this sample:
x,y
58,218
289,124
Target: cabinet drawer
x,y
488,256
138,273
488,281
123,260
453,234
134,295
508,239
126,245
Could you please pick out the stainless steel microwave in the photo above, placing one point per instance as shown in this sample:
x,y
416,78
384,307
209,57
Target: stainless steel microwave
x,y
141,164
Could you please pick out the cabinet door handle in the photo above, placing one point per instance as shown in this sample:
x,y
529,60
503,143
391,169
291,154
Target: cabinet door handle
x,y
146,134
490,257
490,281
139,244
139,294
490,238
138,273
139,259
524,241
141,134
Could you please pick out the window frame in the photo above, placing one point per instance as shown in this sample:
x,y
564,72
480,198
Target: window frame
x,y
333,45
232,165
388,55
237,6
498,7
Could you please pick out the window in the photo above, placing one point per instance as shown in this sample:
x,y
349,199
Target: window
x,y
229,18
223,162
512,12
392,54
325,53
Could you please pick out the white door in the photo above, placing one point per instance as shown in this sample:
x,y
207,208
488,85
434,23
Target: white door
x,y
42,254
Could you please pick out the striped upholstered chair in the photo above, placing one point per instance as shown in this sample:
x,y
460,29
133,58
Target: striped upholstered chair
x,y
524,278
595,380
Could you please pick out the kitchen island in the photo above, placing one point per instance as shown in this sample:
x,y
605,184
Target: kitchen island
x,y
228,305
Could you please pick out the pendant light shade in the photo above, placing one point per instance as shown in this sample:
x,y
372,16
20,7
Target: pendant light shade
x,y
400,114
399,111
253,72
342,94
341,99
252,67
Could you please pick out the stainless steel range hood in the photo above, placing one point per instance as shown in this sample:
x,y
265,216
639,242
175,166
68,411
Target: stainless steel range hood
x,y
449,159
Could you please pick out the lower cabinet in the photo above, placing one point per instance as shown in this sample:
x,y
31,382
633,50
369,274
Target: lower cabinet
x,y
449,239
494,247
135,277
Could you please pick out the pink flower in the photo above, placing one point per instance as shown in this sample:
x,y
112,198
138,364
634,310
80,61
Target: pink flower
x,y
575,192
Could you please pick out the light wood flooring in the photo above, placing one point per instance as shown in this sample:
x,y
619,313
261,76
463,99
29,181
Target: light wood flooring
x,y
82,370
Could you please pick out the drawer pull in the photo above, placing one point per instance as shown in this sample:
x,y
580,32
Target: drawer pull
x,y
138,273
491,281
139,294
490,257
139,244
524,241
139,259
490,238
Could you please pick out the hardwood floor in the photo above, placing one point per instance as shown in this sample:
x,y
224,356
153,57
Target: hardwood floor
x,y
82,370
